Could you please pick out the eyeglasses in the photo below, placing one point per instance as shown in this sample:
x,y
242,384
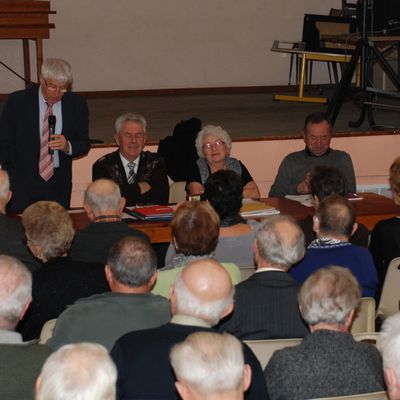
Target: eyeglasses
x,y
209,146
51,87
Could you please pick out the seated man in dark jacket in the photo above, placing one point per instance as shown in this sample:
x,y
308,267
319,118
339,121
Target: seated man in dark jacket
x,y
141,175
266,303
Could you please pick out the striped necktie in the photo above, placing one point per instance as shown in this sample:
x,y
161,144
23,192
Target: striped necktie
x,y
46,167
131,174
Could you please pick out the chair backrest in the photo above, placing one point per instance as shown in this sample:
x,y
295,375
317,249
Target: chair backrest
x,y
390,297
177,192
246,272
371,337
366,396
365,318
264,349
47,331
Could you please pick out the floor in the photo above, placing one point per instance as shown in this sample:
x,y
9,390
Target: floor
x,y
242,115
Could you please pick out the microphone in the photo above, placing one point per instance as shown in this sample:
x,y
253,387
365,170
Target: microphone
x,y
52,129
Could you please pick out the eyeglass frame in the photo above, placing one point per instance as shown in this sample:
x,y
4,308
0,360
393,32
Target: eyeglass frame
x,y
217,143
51,87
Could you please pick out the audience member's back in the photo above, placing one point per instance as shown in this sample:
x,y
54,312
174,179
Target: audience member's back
x,y
60,280
266,303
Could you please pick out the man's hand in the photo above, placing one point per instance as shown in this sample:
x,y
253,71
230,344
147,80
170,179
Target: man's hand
x,y
304,187
59,142
144,187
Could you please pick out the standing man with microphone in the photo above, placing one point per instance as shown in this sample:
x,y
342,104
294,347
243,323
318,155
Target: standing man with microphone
x,y
41,130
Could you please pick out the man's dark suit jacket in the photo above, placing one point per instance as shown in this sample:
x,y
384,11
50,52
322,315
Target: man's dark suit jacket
x,y
266,308
57,284
151,169
20,147
144,370
93,243
11,242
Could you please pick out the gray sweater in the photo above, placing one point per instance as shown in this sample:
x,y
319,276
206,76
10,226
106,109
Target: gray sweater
x,y
295,165
327,363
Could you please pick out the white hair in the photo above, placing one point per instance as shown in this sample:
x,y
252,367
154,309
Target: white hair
x,y
57,69
15,290
103,195
329,295
277,245
217,131
389,343
4,185
81,371
129,117
209,362
188,304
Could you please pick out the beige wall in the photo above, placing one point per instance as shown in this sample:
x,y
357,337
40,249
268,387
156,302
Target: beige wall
x,y
371,155
153,44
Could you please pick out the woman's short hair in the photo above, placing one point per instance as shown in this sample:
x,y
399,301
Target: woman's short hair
x,y
326,181
195,228
217,131
394,177
329,295
224,190
48,224
57,69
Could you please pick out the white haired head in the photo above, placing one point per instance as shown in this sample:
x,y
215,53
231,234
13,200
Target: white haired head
x,y
81,371
208,363
389,345
15,291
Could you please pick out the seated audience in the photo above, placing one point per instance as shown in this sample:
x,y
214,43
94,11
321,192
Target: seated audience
x,y
294,173
328,362
11,231
131,272
202,295
385,237
325,181
20,362
389,345
213,146
82,371
60,280
210,366
334,223
266,303
195,229
103,205
224,191
141,175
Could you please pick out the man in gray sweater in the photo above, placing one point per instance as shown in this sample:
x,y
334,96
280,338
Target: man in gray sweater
x,y
131,272
294,173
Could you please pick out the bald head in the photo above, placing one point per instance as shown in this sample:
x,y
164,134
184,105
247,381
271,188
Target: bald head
x,y
335,217
103,197
204,290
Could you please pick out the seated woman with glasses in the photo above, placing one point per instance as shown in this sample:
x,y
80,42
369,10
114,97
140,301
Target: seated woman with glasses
x,y
213,146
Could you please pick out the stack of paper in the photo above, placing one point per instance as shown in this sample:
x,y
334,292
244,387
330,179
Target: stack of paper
x,y
253,208
150,213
